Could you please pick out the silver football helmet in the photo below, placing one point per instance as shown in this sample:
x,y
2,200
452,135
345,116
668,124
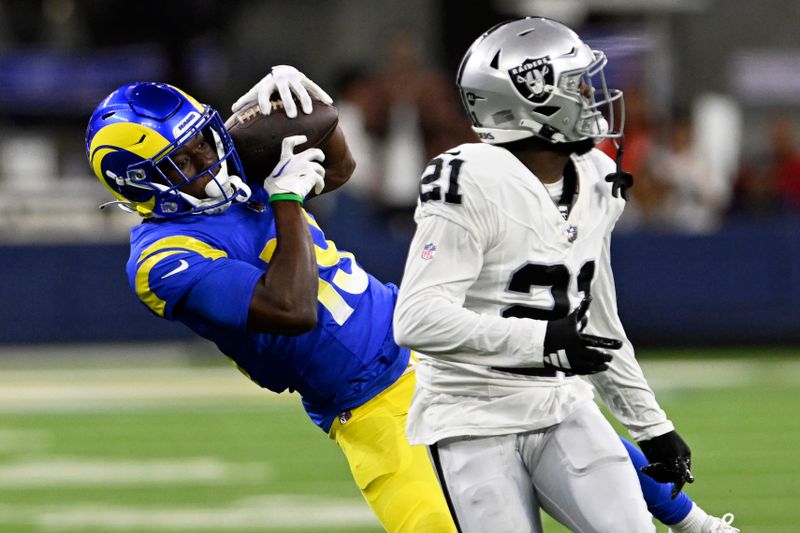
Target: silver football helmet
x,y
534,76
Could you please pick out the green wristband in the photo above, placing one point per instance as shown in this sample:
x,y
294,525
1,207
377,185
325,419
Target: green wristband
x,y
285,196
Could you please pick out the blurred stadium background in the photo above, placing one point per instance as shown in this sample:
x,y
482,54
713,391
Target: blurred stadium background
x,y
112,420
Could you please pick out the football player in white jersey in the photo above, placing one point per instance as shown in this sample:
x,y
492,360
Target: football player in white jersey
x,y
508,290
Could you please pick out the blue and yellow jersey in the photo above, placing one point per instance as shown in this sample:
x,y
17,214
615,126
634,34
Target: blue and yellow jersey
x,y
211,264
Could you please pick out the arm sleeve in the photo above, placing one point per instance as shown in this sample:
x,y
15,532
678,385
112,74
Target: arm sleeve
x,y
430,316
622,387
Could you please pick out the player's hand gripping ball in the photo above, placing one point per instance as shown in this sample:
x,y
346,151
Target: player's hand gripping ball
x,y
258,137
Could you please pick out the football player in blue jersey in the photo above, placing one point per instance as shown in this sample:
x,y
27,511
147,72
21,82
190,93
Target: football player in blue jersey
x,y
245,266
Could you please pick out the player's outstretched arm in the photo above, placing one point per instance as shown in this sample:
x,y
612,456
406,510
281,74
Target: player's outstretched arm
x,y
284,300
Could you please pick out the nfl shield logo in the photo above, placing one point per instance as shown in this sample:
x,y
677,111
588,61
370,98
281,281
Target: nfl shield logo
x,y
532,79
572,233
428,250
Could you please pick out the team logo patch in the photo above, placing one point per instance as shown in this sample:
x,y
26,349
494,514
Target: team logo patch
x,y
572,233
428,251
533,79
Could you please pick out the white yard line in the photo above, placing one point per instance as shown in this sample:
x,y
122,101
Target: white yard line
x,y
268,513
720,373
60,471
102,389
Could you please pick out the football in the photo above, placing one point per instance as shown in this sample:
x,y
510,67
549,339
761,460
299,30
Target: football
x,y
258,137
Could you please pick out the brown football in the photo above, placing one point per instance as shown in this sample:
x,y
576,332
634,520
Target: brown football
x,y
258,137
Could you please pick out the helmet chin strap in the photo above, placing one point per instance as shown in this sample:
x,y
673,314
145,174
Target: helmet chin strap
x,y
554,136
222,190
220,186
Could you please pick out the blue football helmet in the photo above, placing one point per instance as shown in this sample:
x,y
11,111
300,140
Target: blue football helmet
x,y
131,136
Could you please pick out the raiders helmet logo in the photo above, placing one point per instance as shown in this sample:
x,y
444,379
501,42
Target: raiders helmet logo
x,y
533,79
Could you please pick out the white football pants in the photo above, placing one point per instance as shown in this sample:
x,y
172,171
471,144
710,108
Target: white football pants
x,y
577,471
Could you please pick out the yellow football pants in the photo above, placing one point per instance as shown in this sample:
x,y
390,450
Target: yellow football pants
x,y
397,479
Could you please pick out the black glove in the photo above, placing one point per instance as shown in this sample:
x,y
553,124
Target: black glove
x,y
622,182
670,460
569,350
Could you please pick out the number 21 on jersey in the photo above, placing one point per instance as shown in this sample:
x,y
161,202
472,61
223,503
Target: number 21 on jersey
x,y
430,190
557,279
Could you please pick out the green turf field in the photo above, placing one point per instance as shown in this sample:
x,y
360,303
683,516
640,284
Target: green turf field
x,y
105,446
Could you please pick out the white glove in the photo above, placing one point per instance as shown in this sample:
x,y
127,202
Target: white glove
x,y
297,173
285,80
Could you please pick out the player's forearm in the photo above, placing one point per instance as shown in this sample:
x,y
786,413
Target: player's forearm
x,y
339,162
430,323
430,315
630,399
285,299
623,387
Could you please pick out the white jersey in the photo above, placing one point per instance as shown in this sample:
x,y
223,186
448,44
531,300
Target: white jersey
x,y
491,261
